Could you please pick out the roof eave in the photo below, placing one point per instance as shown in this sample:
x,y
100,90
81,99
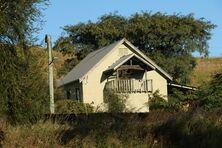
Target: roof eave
x,y
64,84
148,60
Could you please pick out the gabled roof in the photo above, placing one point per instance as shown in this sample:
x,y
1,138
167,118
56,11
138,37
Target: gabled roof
x,y
119,62
95,57
149,60
125,58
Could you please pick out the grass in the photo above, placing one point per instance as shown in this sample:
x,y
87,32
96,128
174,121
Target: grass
x,y
195,128
37,135
205,68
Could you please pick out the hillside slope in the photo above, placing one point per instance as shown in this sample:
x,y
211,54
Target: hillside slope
x,y
204,69
42,53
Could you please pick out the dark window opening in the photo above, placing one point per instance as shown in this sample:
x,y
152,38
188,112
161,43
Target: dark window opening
x,y
68,94
77,94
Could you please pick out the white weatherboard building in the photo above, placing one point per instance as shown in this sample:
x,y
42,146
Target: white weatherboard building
x,y
121,67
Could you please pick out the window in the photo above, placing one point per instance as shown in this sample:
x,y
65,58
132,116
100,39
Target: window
x,y
68,94
77,94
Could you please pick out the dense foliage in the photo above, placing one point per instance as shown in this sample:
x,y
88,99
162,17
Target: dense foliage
x,y
158,102
210,95
115,102
23,88
72,107
19,19
168,39
157,129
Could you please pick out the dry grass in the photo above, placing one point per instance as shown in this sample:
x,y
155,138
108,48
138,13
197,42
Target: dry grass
x,y
156,129
38,135
204,69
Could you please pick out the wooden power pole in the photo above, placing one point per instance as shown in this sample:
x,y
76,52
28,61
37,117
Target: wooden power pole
x,y
50,62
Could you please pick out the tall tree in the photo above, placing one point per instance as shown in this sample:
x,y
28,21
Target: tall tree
x,y
22,84
19,19
169,40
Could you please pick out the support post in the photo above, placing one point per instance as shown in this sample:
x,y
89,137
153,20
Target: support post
x,y
50,66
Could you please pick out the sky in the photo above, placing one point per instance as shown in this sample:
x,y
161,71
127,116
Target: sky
x,y
70,12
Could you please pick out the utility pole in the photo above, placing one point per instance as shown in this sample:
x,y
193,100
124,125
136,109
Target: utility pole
x,y
50,62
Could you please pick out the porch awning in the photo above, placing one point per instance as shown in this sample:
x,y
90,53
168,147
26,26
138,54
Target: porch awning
x,y
182,86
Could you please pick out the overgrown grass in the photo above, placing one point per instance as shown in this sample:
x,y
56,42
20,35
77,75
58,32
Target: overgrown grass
x,y
157,129
37,135
205,68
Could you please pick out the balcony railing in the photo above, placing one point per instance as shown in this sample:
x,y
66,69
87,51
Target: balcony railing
x,y
130,85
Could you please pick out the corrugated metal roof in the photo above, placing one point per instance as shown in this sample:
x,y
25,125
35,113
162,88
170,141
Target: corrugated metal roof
x,y
87,63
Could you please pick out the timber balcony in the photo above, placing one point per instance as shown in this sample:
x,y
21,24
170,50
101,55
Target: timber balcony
x,y
129,85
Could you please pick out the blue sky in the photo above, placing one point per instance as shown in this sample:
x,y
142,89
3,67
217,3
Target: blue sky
x,y
69,12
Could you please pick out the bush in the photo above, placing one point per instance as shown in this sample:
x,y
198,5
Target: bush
x,y
211,94
115,102
183,100
197,128
157,102
72,106
23,86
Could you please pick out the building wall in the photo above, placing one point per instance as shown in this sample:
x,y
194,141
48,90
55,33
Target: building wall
x,y
159,82
138,102
93,84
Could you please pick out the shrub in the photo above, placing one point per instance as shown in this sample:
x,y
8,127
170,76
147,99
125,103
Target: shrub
x,y
211,94
157,102
183,100
197,128
72,106
23,87
115,102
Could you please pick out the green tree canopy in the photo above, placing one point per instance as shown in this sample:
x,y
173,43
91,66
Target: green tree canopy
x,y
19,19
165,38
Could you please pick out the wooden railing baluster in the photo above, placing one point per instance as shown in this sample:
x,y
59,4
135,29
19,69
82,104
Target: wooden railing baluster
x,y
130,85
